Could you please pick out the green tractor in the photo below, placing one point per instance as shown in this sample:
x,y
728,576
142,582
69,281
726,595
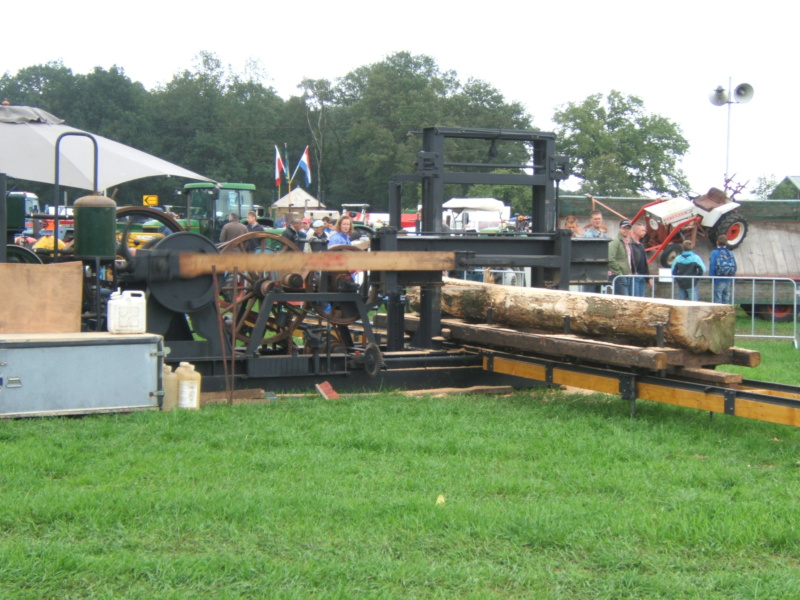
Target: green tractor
x,y
204,208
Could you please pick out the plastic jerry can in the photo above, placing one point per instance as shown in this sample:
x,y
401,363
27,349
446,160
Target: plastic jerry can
x,y
127,312
188,386
169,379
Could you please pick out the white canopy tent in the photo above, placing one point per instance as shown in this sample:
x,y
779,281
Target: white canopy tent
x,y
32,141
298,200
457,204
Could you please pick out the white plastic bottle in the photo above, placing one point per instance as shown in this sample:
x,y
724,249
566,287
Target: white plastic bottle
x,y
127,312
188,386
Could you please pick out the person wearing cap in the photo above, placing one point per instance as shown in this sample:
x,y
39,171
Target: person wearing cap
x,y
721,264
620,258
317,239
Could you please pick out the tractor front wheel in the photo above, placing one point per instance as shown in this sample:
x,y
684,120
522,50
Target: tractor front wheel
x,y
670,253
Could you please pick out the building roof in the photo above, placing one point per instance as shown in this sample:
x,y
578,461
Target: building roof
x,y
794,180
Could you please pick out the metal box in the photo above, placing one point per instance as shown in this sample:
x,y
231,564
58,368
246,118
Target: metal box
x,y
79,373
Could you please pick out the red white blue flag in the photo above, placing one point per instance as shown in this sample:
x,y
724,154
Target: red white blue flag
x,y
305,164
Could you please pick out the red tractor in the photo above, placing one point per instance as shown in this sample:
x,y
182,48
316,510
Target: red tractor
x,y
670,222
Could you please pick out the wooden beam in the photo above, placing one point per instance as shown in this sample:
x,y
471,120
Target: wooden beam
x,y
195,264
596,351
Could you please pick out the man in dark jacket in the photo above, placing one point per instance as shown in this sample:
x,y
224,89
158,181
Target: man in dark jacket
x,y
232,229
639,265
255,245
292,232
619,259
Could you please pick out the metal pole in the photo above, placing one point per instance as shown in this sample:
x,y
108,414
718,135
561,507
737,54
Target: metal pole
x,y
3,218
728,143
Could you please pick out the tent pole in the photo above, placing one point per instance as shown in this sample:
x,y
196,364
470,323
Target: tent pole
x,y
3,218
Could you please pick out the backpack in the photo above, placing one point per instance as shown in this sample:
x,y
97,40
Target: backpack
x,y
725,264
685,268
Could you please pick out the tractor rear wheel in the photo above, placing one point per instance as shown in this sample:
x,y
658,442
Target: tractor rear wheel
x,y
733,226
779,313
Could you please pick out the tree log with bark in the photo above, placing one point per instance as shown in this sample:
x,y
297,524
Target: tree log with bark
x,y
694,326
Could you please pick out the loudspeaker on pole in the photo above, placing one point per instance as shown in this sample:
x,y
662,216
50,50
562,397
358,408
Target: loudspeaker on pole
x,y
719,96
743,93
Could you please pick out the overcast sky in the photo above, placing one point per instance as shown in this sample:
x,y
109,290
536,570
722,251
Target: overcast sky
x,y
542,54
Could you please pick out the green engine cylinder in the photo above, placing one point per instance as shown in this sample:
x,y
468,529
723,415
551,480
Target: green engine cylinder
x,y
95,227
15,213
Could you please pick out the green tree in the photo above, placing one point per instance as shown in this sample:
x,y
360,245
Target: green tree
x,y
367,119
51,87
617,148
318,98
380,104
218,123
765,184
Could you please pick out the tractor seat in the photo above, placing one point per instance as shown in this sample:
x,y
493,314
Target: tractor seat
x,y
711,200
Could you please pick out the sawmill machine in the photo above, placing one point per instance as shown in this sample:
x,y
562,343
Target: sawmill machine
x,y
283,320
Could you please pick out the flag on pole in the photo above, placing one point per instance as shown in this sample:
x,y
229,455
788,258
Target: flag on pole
x,y
279,166
286,165
305,164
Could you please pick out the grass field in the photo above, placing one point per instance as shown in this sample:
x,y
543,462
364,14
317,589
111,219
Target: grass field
x,y
545,496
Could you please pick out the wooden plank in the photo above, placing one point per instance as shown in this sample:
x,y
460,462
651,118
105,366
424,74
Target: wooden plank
x,y
41,298
524,369
763,411
596,383
254,396
709,375
517,368
776,393
475,389
195,264
679,397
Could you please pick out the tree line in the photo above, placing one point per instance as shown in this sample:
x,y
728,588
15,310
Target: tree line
x,y
360,128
